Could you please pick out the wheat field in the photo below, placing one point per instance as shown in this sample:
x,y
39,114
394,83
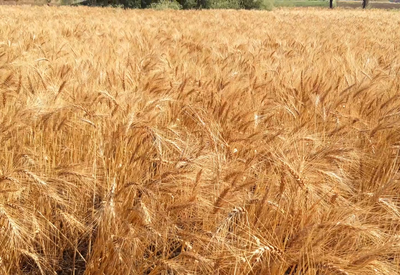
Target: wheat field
x,y
199,142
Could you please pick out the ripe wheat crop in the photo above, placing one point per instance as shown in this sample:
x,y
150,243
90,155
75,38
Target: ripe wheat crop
x,y
199,142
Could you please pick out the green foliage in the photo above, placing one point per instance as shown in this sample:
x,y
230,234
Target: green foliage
x,y
250,4
185,4
303,3
241,4
257,4
166,5
267,5
223,4
188,4
133,4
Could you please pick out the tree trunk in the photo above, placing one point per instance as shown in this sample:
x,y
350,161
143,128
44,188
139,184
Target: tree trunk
x,y
331,3
365,4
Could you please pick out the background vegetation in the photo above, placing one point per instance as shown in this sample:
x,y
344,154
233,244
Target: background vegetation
x,y
185,4
199,142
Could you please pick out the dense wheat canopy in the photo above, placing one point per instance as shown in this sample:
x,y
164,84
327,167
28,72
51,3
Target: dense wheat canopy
x,y
199,142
